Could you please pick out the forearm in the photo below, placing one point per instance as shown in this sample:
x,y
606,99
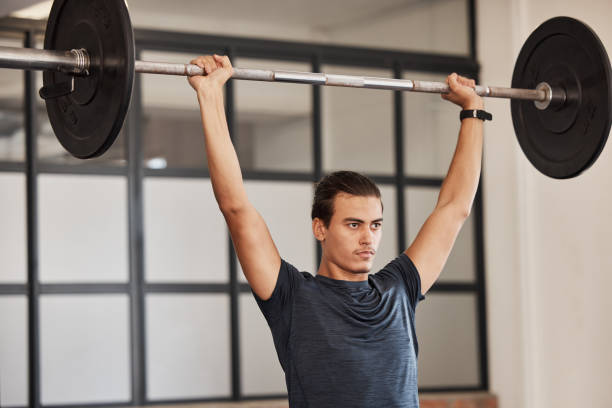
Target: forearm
x,y
223,165
461,182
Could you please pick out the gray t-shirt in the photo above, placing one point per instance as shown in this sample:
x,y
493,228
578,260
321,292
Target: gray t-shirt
x,y
347,344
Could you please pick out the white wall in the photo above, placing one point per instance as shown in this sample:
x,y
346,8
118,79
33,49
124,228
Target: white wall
x,y
547,253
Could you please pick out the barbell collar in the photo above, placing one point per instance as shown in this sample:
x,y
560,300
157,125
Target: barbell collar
x,y
555,97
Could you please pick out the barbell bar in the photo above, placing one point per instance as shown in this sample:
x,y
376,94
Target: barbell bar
x,y
561,94
77,62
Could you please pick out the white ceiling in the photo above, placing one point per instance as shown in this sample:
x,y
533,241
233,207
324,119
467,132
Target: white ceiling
x,y
319,14
9,6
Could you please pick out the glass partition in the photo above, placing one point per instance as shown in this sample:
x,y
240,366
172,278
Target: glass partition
x,y
447,330
358,125
12,132
84,349
273,120
188,346
461,264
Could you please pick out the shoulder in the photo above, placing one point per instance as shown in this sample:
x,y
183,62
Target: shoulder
x,y
402,271
398,267
289,280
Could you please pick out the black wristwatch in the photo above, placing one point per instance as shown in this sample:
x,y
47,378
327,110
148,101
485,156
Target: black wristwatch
x,y
475,113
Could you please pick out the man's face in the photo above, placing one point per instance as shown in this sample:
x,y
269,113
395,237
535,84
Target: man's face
x,y
354,232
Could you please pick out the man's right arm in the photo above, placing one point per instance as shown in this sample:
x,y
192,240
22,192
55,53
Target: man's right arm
x,y
256,251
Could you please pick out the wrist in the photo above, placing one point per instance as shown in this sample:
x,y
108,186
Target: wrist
x,y
210,95
476,103
473,106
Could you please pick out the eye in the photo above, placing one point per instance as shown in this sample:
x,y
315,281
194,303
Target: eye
x,y
353,225
377,225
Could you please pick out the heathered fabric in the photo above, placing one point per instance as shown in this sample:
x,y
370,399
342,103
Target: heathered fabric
x,y
347,344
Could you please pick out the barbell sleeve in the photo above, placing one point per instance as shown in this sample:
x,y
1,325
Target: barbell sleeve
x,y
77,62
73,61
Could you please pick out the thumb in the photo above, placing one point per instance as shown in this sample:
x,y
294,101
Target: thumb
x,y
223,61
225,64
452,81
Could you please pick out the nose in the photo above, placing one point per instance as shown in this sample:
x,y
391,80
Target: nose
x,y
366,237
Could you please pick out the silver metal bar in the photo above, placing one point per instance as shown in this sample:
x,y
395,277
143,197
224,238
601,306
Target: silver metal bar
x,y
341,80
74,61
77,61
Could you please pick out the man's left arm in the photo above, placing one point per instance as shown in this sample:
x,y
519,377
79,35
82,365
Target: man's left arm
x,y
432,245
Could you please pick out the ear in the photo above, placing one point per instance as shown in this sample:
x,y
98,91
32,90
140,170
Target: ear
x,y
318,229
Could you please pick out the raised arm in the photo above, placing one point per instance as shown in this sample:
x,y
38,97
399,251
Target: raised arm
x,y
434,242
256,251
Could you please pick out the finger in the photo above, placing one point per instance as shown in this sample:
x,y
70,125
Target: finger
x,y
453,81
197,61
468,82
210,63
222,61
218,62
463,80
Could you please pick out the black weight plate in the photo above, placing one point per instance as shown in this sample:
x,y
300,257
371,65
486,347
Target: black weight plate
x,y
87,121
562,142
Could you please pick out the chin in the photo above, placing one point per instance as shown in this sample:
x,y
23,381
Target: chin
x,y
363,267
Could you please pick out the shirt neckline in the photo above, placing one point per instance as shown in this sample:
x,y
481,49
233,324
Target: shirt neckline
x,y
343,283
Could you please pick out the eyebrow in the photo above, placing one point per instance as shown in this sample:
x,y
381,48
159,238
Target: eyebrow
x,y
358,220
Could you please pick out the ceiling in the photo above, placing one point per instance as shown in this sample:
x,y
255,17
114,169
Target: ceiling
x,y
320,14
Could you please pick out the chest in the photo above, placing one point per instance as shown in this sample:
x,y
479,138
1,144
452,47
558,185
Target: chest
x,y
340,319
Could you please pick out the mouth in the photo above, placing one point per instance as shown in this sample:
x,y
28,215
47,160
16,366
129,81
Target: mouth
x,y
367,254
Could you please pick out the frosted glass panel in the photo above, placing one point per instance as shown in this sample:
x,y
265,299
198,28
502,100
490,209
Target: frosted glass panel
x,y
261,370
285,207
83,228
172,133
188,346
13,351
273,120
13,231
358,125
84,349
186,239
448,341
431,126
11,110
388,249
460,266
430,26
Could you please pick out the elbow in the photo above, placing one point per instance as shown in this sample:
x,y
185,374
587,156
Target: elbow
x,y
465,212
230,209
458,210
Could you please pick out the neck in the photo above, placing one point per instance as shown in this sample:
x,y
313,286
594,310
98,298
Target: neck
x,y
331,270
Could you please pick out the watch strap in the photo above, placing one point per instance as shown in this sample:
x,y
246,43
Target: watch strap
x,y
475,113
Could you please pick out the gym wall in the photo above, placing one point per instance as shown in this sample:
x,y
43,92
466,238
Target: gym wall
x,y
547,245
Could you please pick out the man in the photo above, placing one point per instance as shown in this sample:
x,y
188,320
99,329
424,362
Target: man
x,y
344,338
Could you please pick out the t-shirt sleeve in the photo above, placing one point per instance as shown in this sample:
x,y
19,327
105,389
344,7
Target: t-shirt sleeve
x,y
402,268
277,306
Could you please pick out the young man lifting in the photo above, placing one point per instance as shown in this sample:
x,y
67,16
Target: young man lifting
x,y
344,338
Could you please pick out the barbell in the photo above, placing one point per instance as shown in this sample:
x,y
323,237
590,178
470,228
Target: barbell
x,y
561,85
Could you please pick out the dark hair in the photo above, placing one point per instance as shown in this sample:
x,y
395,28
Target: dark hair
x,y
329,186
